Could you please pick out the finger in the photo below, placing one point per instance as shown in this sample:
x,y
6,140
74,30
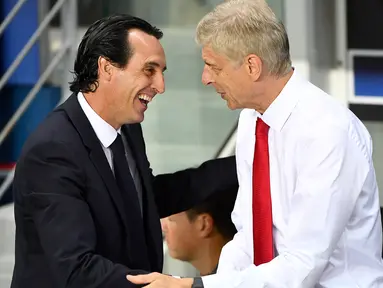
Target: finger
x,y
140,279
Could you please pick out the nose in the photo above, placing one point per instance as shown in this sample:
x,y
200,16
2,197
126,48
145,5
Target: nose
x,y
159,83
206,76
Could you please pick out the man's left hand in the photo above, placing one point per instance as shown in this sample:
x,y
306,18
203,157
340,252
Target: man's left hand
x,y
157,280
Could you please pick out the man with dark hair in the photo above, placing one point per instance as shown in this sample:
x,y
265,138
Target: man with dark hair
x,y
87,206
199,234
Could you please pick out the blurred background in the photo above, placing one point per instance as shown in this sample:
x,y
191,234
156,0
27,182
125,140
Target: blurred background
x,y
334,44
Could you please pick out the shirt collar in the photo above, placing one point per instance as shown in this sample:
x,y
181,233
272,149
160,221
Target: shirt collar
x,y
280,109
104,131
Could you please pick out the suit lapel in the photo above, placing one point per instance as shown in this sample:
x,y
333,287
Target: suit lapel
x,y
99,161
97,155
138,154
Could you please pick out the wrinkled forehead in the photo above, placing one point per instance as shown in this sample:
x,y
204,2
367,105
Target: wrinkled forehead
x,y
212,58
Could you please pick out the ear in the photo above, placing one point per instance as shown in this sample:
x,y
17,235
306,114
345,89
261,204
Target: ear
x,y
105,69
206,225
254,66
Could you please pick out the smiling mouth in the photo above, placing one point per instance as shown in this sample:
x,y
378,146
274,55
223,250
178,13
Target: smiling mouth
x,y
145,99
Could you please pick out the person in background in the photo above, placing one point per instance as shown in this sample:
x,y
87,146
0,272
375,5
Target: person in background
x,y
198,234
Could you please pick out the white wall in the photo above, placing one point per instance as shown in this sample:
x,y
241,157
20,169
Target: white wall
x,y
7,245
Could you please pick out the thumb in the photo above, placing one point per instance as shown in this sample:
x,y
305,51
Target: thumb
x,y
139,279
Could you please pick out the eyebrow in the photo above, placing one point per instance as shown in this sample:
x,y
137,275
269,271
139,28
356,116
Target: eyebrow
x,y
155,64
210,64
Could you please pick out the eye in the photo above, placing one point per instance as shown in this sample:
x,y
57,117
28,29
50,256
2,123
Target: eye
x,y
215,69
150,71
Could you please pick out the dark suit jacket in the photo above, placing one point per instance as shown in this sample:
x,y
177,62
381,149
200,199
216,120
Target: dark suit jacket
x,y
71,227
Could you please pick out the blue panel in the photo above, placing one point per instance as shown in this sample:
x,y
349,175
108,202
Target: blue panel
x,y
368,76
14,39
5,114
10,100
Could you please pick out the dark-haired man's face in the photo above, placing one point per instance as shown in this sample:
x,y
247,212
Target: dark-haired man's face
x,y
135,86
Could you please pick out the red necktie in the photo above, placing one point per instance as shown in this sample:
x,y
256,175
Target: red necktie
x,y
262,214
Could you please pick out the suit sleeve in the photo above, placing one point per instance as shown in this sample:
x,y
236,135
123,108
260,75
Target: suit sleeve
x,y
55,201
180,191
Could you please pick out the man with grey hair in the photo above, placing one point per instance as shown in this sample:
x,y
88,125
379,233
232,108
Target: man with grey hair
x,y
307,211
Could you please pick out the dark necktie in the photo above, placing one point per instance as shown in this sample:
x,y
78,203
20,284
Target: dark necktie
x,y
262,213
137,237
122,174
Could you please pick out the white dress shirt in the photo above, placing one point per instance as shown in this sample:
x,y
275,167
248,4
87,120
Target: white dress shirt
x,y
107,134
104,131
325,201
